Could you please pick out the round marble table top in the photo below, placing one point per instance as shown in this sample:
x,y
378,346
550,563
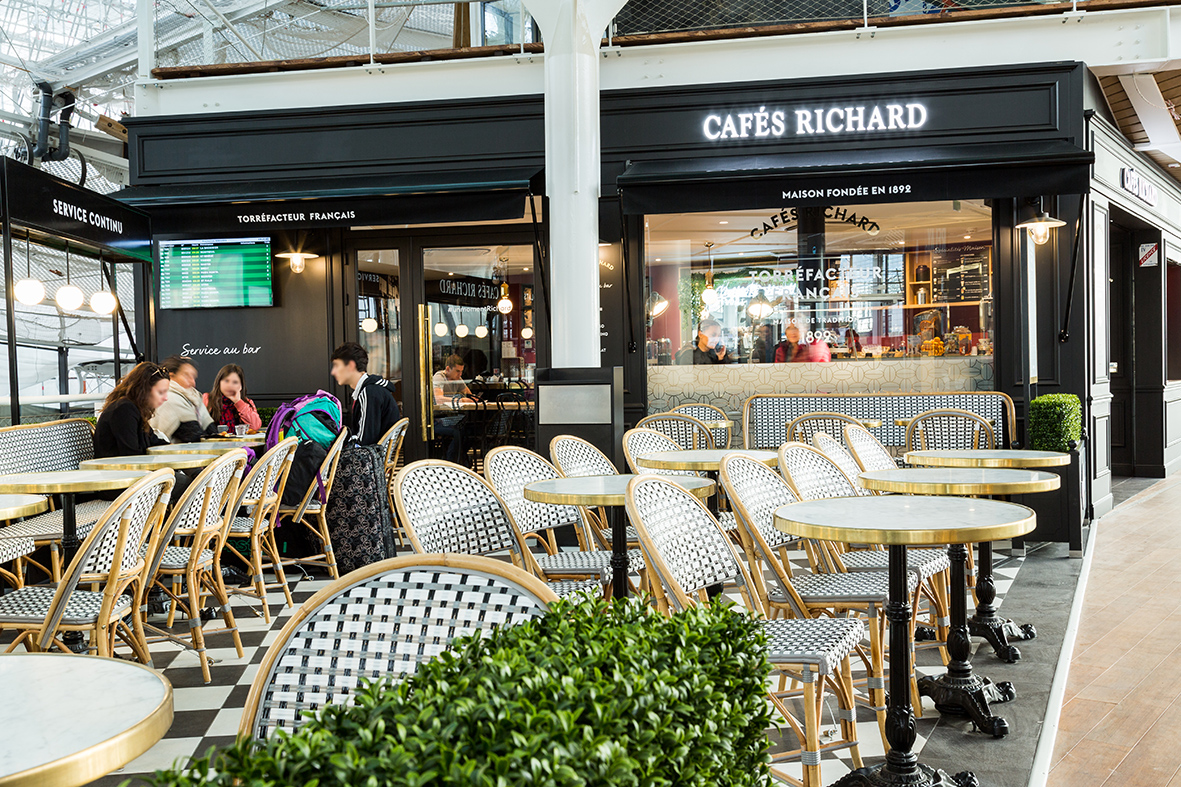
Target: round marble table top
x,y
905,519
707,459
80,717
149,462
205,447
68,481
960,481
718,424
601,490
988,458
12,506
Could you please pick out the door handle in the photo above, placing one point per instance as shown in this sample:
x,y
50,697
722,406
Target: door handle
x,y
426,389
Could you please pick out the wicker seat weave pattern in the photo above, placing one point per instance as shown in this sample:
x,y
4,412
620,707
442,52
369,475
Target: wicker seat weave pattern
x,y
188,517
594,562
576,457
391,438
760,490
44,448
49,526
693,548
812,475
861,587
450,510
832,448
637,442
708,413
869,453
264,473
30,604
923,563
688,433
821,643
384,626
12,548
509,470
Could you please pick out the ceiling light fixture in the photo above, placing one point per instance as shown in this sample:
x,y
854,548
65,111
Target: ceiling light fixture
x,y
461,330
68,297
505,304
440,329
481,331
369,325
103,302
28,290
526,333
709,295
759,307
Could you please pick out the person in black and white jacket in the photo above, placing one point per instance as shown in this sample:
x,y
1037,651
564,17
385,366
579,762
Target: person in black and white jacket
x,y
374,409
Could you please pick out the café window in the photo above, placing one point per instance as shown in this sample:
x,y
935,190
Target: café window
x,y
862,285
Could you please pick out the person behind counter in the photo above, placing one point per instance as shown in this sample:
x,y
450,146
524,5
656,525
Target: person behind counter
x,y
227,403
183,417
708,348
123,426
763,348
374,409
785,351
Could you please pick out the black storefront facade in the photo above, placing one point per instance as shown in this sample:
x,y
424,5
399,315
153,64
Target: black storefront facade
x,y
339,182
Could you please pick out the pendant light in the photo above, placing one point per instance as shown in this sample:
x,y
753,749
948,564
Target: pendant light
x,y
709,295
481,331
657,305
440,329
505,304
1040,224
103,302
368,325
28,290
68,297
461,330
526,333
759,307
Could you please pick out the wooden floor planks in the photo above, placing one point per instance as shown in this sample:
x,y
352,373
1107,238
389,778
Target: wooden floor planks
x,y
1121,722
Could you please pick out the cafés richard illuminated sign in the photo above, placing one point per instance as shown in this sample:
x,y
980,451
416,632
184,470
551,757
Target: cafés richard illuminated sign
x,y
844,120
1138,186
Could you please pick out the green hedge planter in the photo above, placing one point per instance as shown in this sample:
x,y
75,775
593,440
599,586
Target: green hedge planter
x,y
1055,421
590,695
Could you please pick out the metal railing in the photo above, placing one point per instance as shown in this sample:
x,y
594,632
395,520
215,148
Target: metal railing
x,y
220,36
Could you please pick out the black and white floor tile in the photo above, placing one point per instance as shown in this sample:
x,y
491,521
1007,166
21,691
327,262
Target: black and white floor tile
x,y
208,715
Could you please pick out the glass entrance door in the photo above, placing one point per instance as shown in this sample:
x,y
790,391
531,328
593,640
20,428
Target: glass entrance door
x,y
478,349
379,315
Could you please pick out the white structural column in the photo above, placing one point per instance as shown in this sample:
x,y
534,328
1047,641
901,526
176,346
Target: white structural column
x,y
572,30
145,38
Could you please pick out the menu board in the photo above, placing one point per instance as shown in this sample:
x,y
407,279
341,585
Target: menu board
x,y
960,275
216,273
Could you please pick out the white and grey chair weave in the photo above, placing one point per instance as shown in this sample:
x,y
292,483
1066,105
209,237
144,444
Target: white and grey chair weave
x,y
383,621
867,450
638,442
707,413
577,457
811,474
832,448
803,428
949,430
688,433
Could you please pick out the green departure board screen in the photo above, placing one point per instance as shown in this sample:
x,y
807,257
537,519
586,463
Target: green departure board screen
x,y
215,274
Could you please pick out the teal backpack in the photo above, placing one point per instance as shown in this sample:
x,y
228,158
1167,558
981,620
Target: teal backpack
x,y
315,417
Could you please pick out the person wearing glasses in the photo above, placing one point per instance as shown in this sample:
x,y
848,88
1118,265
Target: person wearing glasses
x,y
122,428
183,417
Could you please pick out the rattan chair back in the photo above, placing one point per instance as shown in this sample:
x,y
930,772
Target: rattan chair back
x,y
707,413
832,448
408,610
509,469
801,429
689,433
577,457
867,450
637,442
949,430
812,475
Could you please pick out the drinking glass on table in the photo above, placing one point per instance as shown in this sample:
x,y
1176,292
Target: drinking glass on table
x,y
241,430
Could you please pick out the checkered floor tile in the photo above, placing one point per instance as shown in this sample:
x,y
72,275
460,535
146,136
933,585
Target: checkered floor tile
x,y
209,715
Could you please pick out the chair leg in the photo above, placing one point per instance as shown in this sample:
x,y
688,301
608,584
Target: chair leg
x,y
175,595
276,562
877,674
810,755
848,707
256,568
329,555
195,623
55,561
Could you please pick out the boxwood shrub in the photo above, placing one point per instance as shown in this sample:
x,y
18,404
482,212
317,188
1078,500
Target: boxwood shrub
x,y
1055,420
590,694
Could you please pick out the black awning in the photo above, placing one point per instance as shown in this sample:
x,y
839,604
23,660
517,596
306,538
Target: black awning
x,y
485,195
919,174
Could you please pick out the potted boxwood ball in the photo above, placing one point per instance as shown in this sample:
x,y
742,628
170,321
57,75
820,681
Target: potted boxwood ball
x,y
1056,424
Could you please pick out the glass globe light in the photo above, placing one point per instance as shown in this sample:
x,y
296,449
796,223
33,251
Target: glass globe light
x,y
526,333
461,330
440,329
481,331
69,297
103,302
30,292
369,325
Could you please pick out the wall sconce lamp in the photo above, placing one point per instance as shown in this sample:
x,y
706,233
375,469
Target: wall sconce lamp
x,y
657,305
1040,223
298,259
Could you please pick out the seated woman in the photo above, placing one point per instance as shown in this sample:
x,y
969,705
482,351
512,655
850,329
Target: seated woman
x,y
182,418
227,402
122,428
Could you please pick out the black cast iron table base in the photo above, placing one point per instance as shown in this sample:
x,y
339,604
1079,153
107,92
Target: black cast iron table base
x,y
74,640
970,697
921,776
985,623
617,518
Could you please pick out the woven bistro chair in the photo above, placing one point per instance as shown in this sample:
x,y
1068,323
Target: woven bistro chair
x,y
575,457
689,433
447,508
832,448
412,608
391,446
688,552
312,513
707,413
813,476
801,429
508,469
638,441
201,518
949,430
867,450
111,556
757,491
14,550
260,493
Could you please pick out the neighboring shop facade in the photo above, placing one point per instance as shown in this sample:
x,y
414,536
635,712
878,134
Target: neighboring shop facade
x,y
875,213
